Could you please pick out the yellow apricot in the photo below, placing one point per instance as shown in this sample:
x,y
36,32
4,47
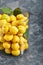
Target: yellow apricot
x,y
6,17
21,29
6,45
12,18
14,30
8,37
2,22
15,38
15,46
8,51
20,16
16,52
15,23
5,28
21,22
23,39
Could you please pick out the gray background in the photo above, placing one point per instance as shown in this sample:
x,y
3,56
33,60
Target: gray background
x,y
34,55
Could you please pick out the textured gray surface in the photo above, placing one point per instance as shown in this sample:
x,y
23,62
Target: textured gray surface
x,y
33,56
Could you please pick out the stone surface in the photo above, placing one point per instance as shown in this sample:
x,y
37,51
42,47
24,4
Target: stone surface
x,y
34,55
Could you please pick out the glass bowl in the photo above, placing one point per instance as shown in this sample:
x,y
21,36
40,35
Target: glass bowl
x,y
23,10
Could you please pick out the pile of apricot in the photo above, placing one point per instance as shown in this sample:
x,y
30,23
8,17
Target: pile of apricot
x,y
12,29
